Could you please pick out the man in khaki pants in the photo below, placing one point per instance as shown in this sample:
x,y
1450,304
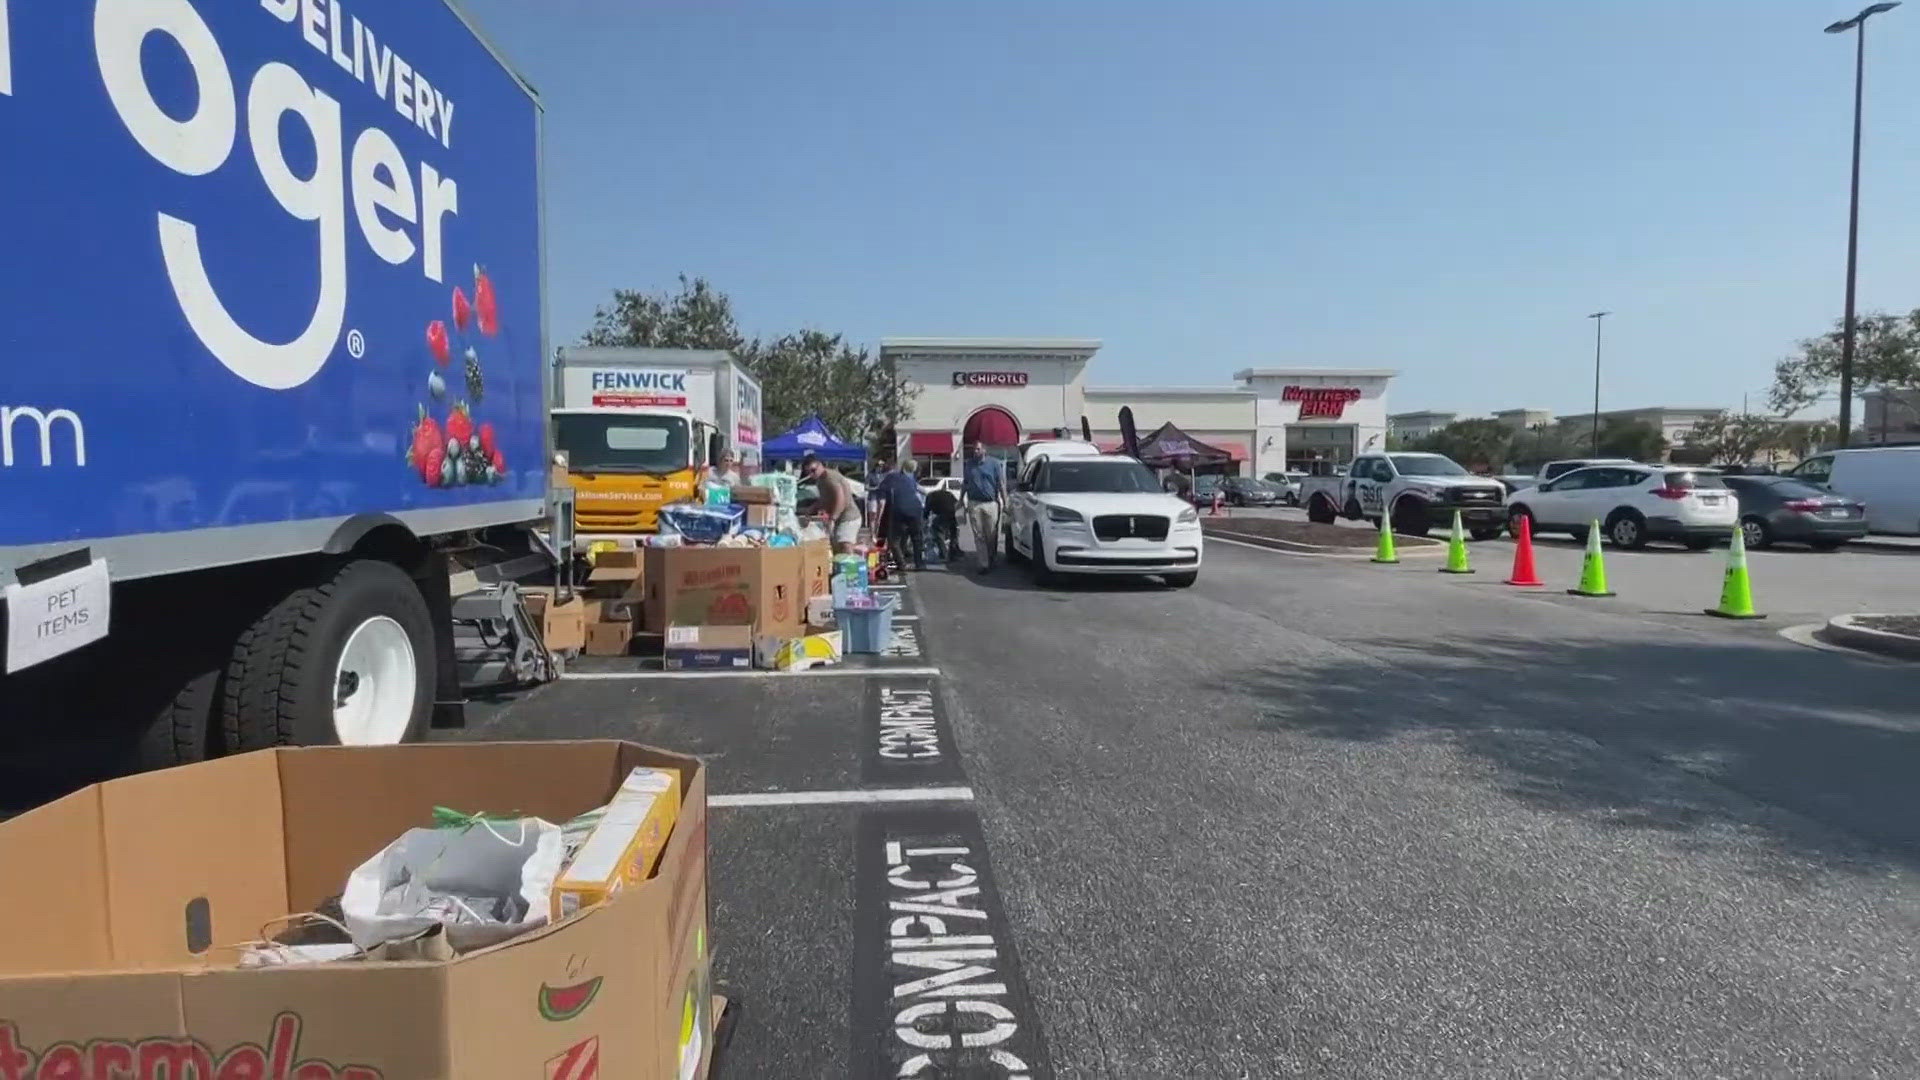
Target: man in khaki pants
x,y
985,485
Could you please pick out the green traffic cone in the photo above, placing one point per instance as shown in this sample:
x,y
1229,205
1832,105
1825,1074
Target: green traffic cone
x,y
1593,570
1384,552
1736,590
1457,550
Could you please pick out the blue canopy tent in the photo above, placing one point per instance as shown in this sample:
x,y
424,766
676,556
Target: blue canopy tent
x,y
811,436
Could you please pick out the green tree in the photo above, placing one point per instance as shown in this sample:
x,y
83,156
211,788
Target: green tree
x,y
811,371
1542,443
697,317
1636,440
1480,444
808,371
1886,356
1736,438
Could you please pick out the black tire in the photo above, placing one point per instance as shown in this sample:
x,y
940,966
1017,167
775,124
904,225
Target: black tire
x,y
1320,511
1486,534
1037,562
1354,509
183,730
1699,543
1515,513
1181,581
1826,545
1755,532
1626,529
279,686
1410,518
1009,552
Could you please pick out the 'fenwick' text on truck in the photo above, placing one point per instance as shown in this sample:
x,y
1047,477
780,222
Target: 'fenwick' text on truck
x,y
638,426
272,341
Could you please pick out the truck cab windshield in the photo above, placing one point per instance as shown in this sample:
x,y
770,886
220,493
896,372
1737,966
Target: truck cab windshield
x,y
612,443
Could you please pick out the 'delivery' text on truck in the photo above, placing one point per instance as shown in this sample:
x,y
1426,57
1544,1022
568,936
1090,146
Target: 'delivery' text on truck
x,y
272,339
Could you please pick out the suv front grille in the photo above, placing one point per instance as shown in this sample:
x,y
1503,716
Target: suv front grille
x,y
1130,527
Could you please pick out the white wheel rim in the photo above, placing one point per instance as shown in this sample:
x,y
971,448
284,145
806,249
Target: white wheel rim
x,y
374,685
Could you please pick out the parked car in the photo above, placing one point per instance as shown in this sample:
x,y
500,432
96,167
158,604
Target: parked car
x,y
1784,508
1289,485
1246,491
1885,478
1554,470
1205,487
932,484
1104,514
1634,504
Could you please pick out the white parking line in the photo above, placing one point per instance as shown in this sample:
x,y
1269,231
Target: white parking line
x,y
754,674
843,798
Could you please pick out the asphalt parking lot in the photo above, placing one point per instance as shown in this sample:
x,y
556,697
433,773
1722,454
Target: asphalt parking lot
x,y
1792,585
1311,817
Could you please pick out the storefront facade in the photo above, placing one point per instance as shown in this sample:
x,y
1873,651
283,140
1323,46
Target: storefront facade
x,y
1004,391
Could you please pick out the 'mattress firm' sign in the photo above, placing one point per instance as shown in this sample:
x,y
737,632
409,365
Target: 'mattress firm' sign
x,y
989,378
1321,402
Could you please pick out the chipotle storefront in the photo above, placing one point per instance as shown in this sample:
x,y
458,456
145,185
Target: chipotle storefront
x,y
1004,391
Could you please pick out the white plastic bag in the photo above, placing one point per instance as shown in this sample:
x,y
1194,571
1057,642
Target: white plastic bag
x,y
487,882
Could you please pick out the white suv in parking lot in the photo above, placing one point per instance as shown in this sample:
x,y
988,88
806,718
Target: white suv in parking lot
x,y
1101,514
1633,504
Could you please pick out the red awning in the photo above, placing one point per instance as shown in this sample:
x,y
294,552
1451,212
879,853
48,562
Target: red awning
x,y
930,443
992,426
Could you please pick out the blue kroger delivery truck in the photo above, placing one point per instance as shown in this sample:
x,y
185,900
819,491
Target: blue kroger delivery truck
x,y
271,343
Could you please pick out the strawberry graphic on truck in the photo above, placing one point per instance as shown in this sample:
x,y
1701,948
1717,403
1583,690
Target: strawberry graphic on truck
x,y
455,450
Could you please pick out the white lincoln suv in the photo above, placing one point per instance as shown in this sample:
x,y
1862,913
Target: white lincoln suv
x,y
1101,514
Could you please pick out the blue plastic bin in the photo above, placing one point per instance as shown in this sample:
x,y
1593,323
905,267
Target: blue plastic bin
x,y
866,630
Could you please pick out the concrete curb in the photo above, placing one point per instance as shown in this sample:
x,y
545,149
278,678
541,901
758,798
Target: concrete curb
x,y
1846,630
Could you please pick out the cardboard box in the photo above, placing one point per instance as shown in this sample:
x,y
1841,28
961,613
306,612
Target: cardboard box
x,y
762,516
562,624
609,638
816,568
724,586
753,495
708,647
617,584
126,969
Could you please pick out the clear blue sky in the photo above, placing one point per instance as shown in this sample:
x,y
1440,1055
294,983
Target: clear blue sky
x,y
1442,188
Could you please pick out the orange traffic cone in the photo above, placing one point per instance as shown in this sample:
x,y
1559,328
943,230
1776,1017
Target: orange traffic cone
x,y
1523,572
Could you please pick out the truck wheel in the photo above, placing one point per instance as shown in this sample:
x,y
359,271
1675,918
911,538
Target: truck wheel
x,y
1182,581
1320,511
1487,534
1410,518
183,730
346,662
1353,510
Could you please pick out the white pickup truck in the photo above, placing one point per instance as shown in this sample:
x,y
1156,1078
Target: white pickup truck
x,y
1415,491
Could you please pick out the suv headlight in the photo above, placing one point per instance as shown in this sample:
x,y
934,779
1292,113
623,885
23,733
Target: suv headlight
x,y
1189,516
1060,515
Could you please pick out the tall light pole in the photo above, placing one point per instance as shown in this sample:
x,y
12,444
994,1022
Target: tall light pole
x,y
1598,317
1857,24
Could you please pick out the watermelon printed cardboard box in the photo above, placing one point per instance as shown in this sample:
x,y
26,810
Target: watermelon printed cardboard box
x,y
126,901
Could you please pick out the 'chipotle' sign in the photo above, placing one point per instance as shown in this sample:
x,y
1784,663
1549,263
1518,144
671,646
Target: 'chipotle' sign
x,y
1321,402
989,378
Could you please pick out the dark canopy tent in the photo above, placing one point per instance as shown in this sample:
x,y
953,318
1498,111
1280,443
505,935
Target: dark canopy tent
x,y
811,436
1168,446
